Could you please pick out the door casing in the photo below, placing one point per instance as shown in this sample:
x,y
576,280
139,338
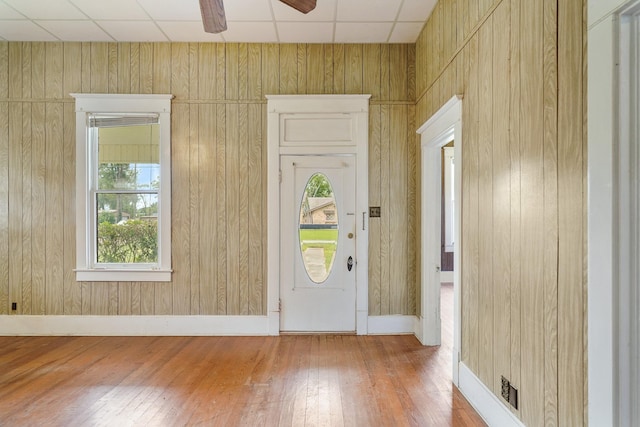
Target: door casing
x,y
440,129
348,114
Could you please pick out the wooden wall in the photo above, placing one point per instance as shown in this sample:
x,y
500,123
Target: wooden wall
x,y
520,66
219,167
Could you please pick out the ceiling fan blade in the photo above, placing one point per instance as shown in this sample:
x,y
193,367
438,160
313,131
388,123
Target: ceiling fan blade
x,y
213,17
304,6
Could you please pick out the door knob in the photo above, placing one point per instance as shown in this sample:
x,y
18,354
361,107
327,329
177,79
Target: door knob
x,y
350,263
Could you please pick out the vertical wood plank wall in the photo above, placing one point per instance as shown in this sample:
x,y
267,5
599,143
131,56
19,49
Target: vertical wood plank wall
x,y
218,168
519,66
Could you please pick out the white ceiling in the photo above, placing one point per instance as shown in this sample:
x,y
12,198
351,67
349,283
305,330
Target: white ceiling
x,y
259,21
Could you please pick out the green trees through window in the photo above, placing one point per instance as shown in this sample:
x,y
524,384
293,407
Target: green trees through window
x,y
127,221
123,183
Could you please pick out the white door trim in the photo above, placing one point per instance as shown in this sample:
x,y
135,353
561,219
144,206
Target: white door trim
x,y
613,100
436,132
278,108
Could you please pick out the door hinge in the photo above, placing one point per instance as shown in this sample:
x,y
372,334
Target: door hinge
x,y
279,305
280,176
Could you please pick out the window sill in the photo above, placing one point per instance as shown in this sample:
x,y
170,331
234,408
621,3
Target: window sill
x,y
122,275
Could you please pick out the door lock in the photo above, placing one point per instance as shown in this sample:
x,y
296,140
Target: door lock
x,y
350,263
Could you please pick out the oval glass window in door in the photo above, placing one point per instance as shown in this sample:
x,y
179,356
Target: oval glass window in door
x,y
318,228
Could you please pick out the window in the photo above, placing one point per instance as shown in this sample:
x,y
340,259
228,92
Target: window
x,y
123,187
318,228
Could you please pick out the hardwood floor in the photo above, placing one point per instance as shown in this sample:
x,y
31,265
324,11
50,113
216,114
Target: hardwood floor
x,y
314,380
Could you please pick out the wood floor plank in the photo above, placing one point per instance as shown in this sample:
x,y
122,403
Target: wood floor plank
x,y
304,380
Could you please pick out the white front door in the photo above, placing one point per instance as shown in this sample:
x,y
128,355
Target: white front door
x,y
318,244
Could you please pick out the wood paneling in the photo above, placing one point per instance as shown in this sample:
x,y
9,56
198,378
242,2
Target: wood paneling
x,y
550,172
501,197
218,167
485,209
515,257
571,205
470,208
4,208
523,231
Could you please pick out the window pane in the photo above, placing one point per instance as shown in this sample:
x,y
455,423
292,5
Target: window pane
x,y
128,157
127,228
318,230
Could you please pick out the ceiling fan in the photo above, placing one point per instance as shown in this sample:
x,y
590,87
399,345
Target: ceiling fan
x,y
214,19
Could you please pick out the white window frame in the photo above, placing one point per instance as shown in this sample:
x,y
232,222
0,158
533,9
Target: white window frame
x,y
86,269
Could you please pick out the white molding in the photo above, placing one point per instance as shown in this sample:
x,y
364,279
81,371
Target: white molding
x,y
358,106
600,345
487,404
392,325
123,275
23,325
283,104
85,104
434,125
442,127
122,103
612,129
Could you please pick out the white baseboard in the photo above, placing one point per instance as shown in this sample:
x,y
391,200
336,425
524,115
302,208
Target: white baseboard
x,y
391,325
26,325
134,325
362,322
487,404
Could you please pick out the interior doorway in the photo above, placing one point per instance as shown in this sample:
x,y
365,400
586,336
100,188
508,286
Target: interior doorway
x,y
447,213
440,130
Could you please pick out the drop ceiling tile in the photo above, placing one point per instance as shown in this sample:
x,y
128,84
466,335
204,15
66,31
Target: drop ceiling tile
x,y
172,10
25,31
368,10
405,32
416,10
126,10
248,10
7,12
187,31
250,20
133,31
325,11
50,9
363,32
76,31
257,32
305,32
